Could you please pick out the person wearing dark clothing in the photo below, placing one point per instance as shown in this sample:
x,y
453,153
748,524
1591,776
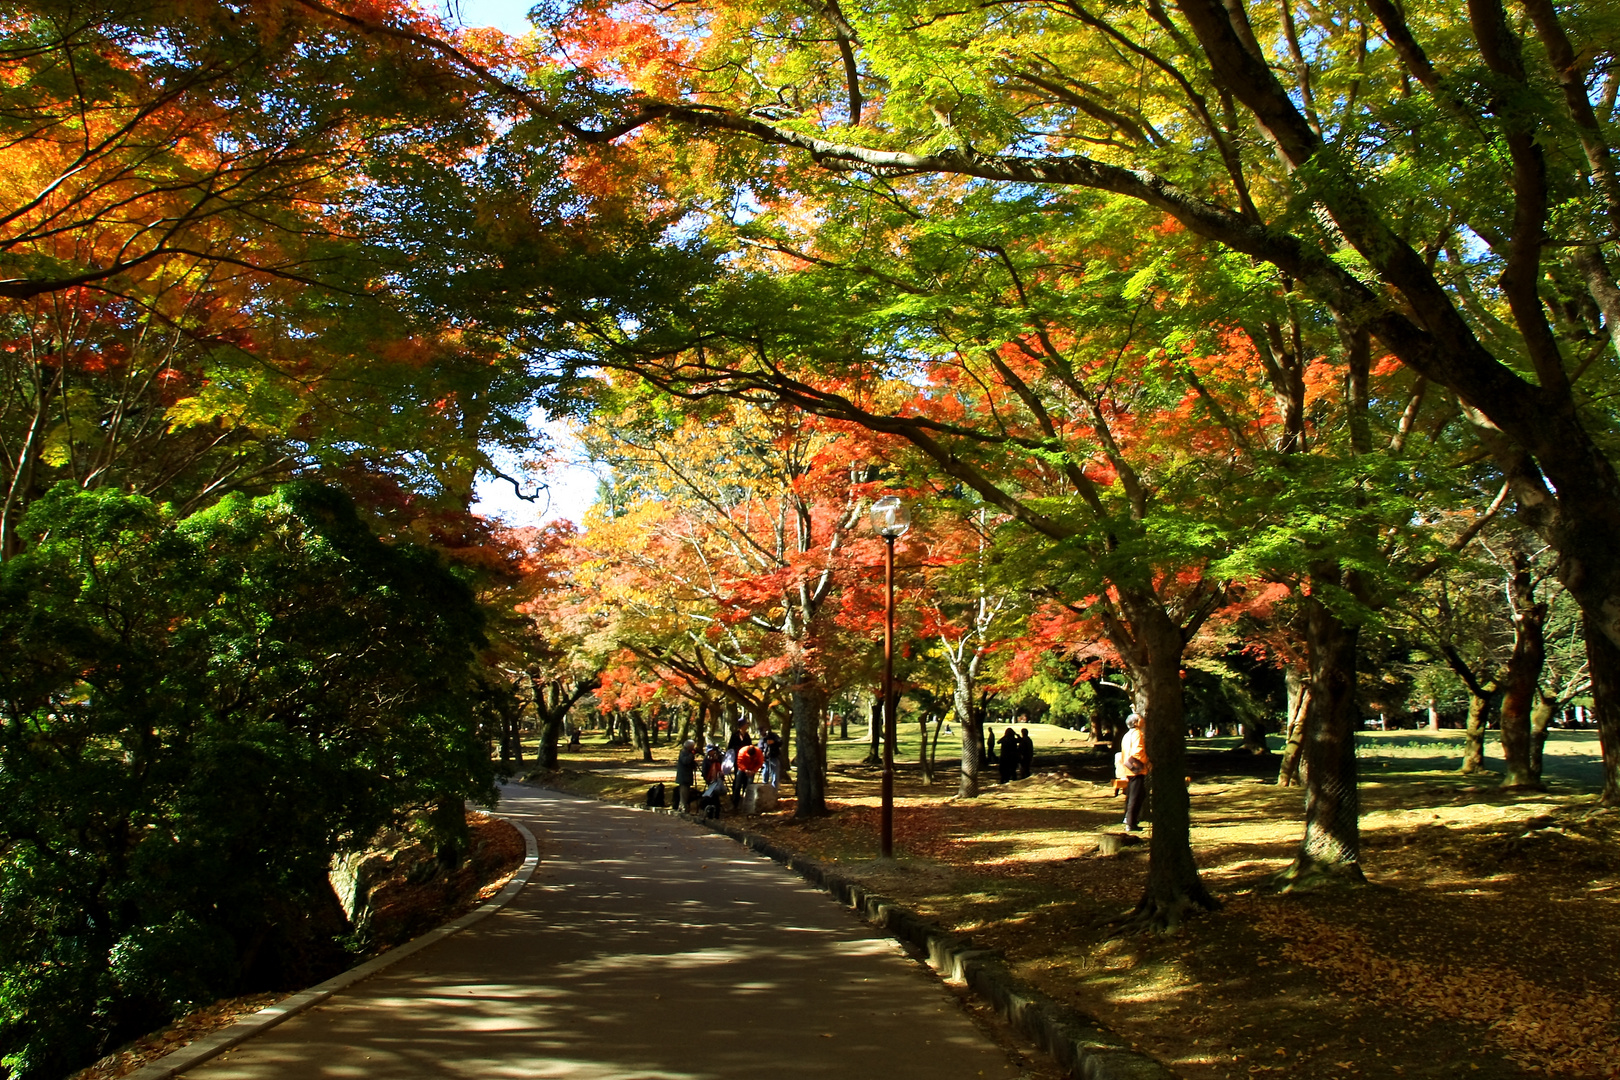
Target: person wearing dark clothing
x,y
685,773
773,758
740,737
1008,758
1026,755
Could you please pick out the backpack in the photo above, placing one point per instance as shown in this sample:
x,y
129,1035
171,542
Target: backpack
x,y
655,796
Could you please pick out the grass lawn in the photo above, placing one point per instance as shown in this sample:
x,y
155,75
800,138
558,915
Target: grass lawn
x,y
1486,945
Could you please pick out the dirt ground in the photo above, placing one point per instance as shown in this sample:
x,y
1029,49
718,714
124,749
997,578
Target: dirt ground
x,y
1487,942
406,905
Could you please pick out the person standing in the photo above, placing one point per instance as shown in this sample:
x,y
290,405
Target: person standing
x,y
1026,754
1007,759
750,759
1133,754
773,758
685,773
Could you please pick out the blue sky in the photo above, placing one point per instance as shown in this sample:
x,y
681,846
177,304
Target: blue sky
x,y
508,15
573,483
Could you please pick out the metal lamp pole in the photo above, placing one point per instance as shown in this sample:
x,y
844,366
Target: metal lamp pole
x,y
886,848
890,519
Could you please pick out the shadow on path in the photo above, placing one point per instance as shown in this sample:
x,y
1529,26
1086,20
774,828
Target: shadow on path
x,y
644,947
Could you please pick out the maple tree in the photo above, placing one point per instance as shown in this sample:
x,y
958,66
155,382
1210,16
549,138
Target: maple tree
x,y
1393,171
741,520
200,257
966,613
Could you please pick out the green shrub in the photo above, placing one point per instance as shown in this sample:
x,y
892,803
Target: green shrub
x,y
198,714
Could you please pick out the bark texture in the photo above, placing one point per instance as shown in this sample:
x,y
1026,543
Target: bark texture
x,y
1604,657
1152,649
810,783
1521,682
1299,699
1330,849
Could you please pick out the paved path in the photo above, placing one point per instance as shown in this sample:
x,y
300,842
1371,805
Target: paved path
x,y
644,948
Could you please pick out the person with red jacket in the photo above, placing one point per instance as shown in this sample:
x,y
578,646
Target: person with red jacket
x,y
750,759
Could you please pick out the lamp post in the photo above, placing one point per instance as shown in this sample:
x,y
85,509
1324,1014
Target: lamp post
x,y
890,520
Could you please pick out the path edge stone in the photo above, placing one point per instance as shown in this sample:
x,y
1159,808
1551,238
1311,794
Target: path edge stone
x,y
232,1035
1078,1043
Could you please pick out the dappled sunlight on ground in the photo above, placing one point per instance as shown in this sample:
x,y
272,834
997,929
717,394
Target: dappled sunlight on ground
x,y
1485,944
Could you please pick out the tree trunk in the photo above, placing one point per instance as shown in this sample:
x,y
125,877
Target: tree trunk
x,y
1604,658
1434,715
1523,679
1330,849
1151,644
874,732
545,703
551,706
1541,715
641,735
510,708
967,785
1479,713
806,700
933,747
1254,733
922,750
787,746
1299,703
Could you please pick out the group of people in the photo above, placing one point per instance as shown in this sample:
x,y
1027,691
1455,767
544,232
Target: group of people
x,y
1017,756
745,763
742,762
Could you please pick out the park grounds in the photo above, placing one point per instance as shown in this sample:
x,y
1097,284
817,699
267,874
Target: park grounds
x,y
1485,944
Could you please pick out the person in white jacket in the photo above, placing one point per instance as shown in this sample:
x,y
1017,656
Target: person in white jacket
x,y
1133,754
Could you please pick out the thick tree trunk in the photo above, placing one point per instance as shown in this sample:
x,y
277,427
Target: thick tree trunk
x,y
1151,644
641,735
1479,715
551,706
551,718
510,707
1254,733
1331,847
1604,659
811,785
967,784
1299,700
1541,715
874,732
1523,679
1434,715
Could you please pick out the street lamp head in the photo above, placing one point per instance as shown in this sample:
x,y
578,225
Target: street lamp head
x,y
890,518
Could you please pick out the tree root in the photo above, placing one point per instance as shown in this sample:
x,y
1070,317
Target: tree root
x,y
1161,916
1305,875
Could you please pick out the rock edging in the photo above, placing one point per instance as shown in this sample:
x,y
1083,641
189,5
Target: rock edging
x,y
193,1054
1078,1043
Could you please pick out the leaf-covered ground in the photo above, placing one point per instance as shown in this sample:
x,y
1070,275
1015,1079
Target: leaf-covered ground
x,y
406,904
1486,945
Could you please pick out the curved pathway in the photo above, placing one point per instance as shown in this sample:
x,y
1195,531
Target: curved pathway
x,y
644,948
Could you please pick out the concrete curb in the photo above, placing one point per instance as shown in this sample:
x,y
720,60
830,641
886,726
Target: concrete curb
x,y
1082,1046
194,1054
